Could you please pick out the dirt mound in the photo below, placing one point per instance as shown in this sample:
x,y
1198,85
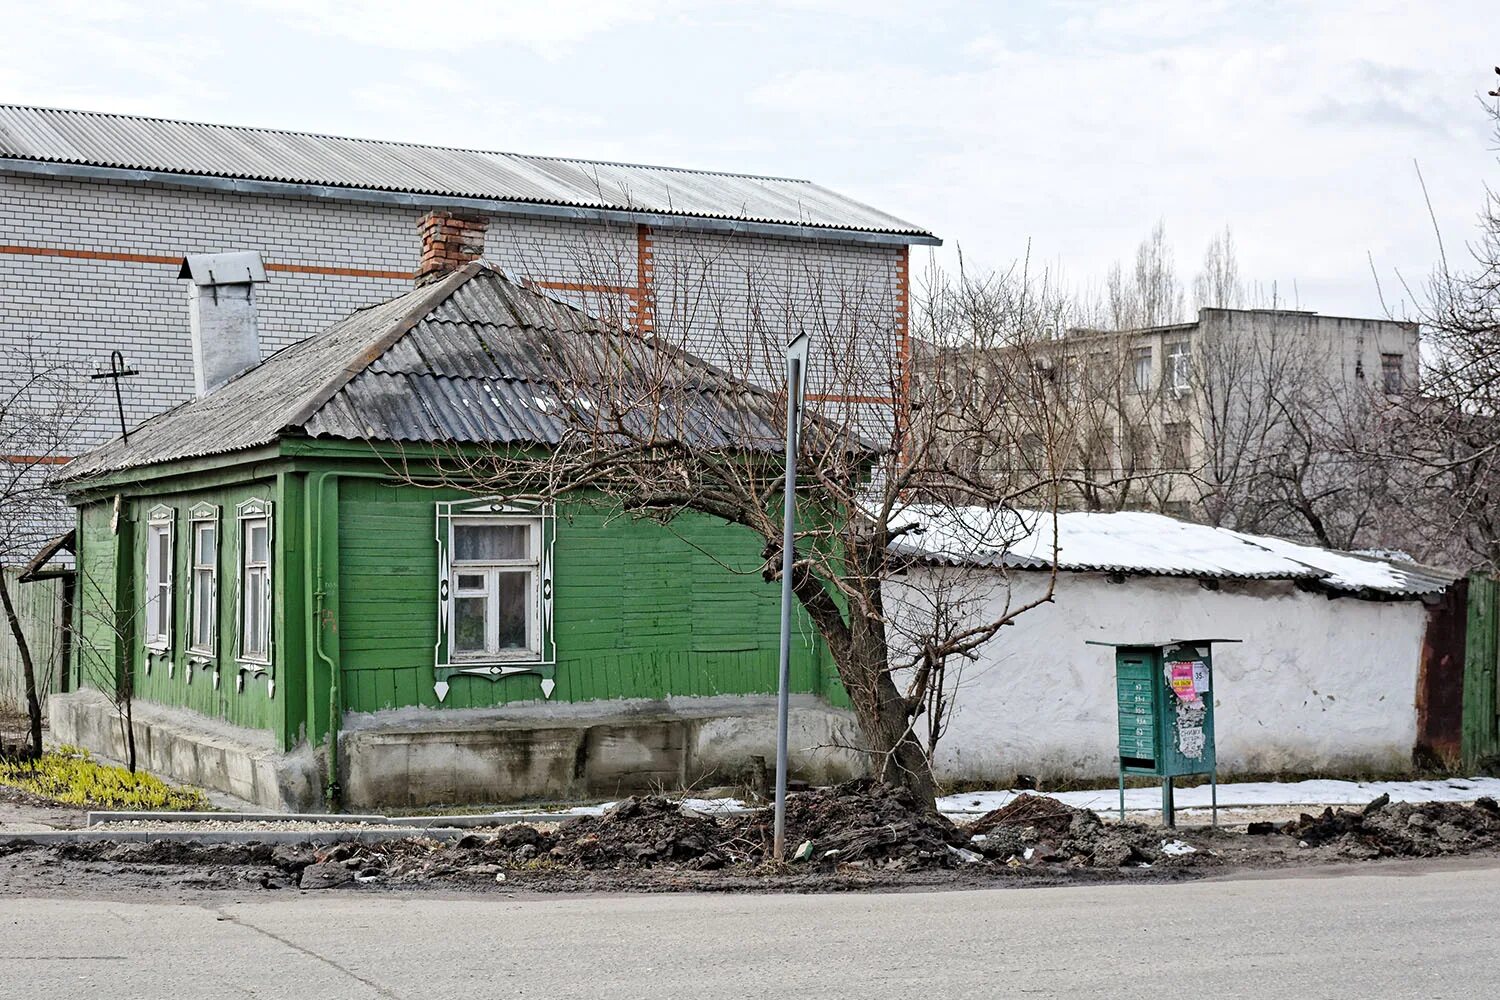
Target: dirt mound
x,y
861,820
643,831
1403,829
1039,811
1039,830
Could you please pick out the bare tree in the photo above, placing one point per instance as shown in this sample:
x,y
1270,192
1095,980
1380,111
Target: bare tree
x,y
103,631
1218,285
1442,446
882,453
41,412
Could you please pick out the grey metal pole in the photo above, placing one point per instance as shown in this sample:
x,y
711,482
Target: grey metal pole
x,y
795,357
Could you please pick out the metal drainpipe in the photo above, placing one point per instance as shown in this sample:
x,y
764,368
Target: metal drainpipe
x,y
314,604
314,588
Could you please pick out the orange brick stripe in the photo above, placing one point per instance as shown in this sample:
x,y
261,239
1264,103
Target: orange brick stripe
x,y
818,397
903,319
36,459
574,286
645,297
142,258
342,272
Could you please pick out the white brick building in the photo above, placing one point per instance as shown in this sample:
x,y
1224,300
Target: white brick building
x,y
97,211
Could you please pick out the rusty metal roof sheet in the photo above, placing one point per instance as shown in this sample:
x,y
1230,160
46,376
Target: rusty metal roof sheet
x,y
86,139
476,358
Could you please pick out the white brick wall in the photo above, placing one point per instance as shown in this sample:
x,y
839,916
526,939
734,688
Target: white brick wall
x,y
708,287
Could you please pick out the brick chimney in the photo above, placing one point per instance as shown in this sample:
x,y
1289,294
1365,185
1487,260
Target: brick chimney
x,y
449,242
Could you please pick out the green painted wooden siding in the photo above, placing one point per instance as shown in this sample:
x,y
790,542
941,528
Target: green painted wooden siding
x,y
95,646
641,610
39,606
1481,716
111,599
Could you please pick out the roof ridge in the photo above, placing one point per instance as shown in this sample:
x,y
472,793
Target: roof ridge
x,y
402,142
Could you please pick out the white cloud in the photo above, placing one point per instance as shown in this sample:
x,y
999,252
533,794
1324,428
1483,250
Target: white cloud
x,y
1076,125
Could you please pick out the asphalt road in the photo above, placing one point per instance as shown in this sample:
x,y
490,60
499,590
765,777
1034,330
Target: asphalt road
x,y
1409,931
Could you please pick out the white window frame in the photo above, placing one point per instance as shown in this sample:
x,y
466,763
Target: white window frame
x,y
1179,365
541,655
249,513
1140,374
160,522
203,516
491,570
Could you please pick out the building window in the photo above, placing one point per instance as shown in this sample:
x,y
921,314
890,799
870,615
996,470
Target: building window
x,y
1391,367
1174,446
204,582
255,581
1140,369
1179,373
495,589
158,603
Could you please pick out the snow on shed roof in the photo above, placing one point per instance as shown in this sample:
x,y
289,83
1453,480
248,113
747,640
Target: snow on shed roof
x,y
1151,544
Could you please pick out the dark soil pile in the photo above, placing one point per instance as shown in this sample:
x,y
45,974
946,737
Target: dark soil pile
x,y
1039,811
644,831
1403,829
1036,830
858,821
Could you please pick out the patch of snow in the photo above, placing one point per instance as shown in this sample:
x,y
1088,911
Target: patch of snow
x,y
1177,848
1315,792
1130,541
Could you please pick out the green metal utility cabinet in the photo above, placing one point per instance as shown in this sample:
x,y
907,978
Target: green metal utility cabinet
x,y
1164,692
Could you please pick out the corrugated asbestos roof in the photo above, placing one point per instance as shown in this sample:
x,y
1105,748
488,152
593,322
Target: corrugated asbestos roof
x,y
1136,542
475,358
187,148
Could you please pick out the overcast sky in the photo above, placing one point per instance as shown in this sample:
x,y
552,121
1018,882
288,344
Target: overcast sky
x,y
1070,125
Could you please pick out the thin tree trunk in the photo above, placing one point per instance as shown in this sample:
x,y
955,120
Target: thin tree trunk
x,y
33,703
127,720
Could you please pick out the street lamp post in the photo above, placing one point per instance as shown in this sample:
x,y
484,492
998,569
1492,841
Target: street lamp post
x,y
796,368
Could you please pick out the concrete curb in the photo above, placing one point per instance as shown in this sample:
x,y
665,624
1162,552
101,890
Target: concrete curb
x,y
220,837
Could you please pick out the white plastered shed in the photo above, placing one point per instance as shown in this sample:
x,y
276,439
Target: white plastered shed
x,y
1325,679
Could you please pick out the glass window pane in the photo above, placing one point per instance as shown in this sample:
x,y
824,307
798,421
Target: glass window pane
x,y
204,544
203,609
468,624
163,552
514,600
259,541
256,618
471,581
163,612
491,542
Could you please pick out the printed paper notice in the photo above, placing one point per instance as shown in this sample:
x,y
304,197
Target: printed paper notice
x,y
1180,676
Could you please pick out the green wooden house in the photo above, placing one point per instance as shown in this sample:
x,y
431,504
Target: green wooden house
x,y
298,616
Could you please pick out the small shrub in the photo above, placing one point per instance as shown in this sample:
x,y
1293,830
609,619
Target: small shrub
x,y
70,776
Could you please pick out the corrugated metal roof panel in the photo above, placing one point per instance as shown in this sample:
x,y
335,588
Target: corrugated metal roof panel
x,y
474,359
1150,544
132,142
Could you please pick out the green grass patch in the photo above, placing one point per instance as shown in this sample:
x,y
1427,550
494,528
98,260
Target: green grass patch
x,y
71,777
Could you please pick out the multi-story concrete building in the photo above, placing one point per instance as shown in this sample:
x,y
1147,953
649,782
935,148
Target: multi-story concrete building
x,y
97,212
1180,417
